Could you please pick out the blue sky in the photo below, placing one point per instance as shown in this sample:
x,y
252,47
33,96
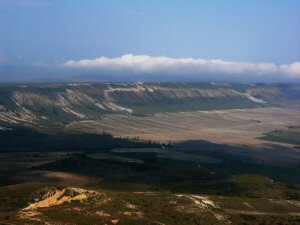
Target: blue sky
x,y
40,37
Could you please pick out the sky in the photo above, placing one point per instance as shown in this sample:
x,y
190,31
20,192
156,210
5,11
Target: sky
x,y
190,40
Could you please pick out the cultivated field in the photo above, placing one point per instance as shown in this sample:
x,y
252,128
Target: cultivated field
x,y
234,126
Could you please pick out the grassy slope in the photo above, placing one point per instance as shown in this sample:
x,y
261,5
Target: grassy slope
x,y
231,185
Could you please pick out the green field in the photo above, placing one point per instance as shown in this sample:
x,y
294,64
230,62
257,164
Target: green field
x,y
291,135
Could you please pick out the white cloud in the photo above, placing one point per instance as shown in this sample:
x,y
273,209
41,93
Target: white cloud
x,y
292,69
148,64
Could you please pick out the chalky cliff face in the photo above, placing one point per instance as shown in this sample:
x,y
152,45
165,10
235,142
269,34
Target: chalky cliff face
x,y
57,104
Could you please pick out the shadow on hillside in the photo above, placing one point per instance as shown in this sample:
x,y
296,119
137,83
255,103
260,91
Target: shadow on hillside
x,y
25,139
269,153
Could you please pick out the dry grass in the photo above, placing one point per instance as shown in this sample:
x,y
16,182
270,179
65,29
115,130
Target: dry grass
x,y
235,126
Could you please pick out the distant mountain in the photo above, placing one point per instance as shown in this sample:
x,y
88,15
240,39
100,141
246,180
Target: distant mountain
x,y
56,104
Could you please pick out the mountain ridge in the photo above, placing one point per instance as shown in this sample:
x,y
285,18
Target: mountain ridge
x,y
41,104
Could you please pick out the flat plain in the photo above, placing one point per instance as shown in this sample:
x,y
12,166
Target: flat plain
x,y
233,126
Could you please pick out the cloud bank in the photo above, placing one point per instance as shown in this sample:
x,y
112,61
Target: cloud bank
x,y
292,69
161,64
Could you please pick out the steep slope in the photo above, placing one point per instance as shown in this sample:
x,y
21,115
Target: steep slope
x,y
60,103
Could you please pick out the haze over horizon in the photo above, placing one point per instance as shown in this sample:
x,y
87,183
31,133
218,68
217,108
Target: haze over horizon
x,y
232,41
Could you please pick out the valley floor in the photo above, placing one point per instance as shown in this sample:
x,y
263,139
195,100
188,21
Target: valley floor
x,y
233,126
